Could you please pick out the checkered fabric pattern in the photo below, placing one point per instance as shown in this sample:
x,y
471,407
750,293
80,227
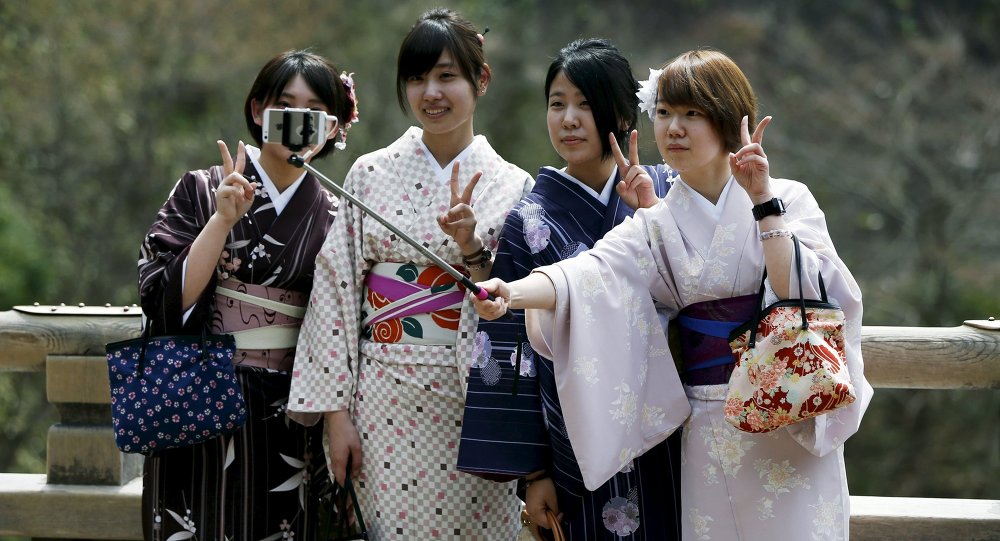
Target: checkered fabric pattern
x,y
407,400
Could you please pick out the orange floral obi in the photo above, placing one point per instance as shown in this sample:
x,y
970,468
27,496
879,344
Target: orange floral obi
x,y
406,303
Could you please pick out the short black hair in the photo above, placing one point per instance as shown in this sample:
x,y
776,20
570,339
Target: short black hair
x,y
435,31
605,78
321,76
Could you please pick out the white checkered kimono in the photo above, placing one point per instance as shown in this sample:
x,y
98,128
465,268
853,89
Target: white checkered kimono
x,y
407,400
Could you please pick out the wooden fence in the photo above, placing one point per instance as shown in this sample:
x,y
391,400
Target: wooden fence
x,y
91,490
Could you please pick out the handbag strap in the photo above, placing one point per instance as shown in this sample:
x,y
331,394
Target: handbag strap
x,y
349,485
802,300
147,335
556,528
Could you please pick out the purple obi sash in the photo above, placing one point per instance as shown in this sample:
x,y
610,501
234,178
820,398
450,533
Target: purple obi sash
x,y
415,298
411,304
704,327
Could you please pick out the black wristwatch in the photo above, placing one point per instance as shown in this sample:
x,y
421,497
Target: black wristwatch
x,y
769,208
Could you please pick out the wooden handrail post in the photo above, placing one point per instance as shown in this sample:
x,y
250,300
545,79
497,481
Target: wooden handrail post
x,y
68,343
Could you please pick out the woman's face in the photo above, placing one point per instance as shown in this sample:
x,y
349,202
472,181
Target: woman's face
x,y
296,94
572,130
687,140
442,100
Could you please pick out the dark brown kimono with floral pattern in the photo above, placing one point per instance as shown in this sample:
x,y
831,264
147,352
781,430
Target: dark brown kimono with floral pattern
x,y
263,481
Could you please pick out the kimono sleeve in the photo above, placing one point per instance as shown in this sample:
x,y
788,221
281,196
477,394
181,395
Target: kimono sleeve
x,y
829,431
326,369
620,392
165,249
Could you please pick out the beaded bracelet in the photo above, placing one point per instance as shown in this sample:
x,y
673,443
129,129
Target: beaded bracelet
x,y
764,235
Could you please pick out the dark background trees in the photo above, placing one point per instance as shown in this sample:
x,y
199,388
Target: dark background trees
x,y
887,110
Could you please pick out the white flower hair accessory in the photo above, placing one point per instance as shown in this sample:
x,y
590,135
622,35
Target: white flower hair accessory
x,y
647,93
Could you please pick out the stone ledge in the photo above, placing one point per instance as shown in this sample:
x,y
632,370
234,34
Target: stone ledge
x,y
32,508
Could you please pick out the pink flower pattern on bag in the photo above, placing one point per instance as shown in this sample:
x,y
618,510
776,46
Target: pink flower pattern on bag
x,y
188,409
792,373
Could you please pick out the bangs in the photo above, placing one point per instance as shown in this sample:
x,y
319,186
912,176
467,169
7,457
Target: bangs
x,y
422,49
280,78
679,86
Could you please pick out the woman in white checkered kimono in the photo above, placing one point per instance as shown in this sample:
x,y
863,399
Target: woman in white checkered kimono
x,y
387,337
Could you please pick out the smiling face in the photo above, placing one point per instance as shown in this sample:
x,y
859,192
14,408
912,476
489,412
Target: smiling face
x,y
572,129
442,100
689,143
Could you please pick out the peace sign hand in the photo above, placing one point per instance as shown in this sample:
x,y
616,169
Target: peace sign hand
x,y
635,186
460,221
234,196
749,164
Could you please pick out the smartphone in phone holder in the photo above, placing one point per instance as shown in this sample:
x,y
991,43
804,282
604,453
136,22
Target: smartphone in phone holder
x,y
295,128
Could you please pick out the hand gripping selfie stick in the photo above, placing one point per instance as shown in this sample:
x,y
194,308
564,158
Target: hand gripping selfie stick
x,y
480,293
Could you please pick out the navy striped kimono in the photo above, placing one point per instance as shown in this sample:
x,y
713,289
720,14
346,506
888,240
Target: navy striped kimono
x,y
507,435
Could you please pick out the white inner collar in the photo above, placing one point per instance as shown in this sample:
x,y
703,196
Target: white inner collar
x,y
443,174
278,199
605,196
713,210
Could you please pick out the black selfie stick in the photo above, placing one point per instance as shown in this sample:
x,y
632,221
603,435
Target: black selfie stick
x,y
480,293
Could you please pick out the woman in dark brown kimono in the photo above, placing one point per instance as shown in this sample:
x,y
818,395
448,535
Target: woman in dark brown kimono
x,y
233,250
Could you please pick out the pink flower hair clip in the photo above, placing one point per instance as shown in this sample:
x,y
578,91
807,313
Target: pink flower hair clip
x,y
347,79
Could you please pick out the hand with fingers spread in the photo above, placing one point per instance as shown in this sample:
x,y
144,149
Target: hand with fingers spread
x,y
460,221
749,164
635,186
234,196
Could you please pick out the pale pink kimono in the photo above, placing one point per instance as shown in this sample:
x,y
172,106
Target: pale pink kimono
x,y
406,398
619,386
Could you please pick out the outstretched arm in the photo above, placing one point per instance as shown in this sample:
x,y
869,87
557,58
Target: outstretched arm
x,y
533,291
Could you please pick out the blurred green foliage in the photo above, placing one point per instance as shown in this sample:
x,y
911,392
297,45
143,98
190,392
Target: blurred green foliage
x,y
886,109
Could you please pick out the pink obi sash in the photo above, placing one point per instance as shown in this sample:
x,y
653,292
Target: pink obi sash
x,y
264,320
411,304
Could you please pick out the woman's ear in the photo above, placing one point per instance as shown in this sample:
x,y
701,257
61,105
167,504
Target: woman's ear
x,y
332,132
484,79
258,112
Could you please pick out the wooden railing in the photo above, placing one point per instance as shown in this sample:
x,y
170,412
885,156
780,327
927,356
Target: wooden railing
x,y
91,490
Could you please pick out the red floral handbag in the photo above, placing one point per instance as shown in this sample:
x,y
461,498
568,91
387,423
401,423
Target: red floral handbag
x,y
790,362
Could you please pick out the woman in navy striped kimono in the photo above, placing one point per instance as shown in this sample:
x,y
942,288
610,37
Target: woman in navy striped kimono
x,y
513,420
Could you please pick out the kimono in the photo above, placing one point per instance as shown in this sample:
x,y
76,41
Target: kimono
x,y
402,376
265,479
786,484
516,434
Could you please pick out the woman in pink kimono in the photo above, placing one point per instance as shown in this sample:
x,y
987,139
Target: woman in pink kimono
x,y
698,254
388,337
